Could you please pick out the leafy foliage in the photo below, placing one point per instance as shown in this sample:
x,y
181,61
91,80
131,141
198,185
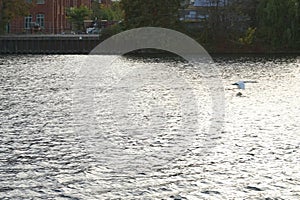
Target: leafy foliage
x,y
141,13
248,37
10,9
110,31
102,12
78,15
279,22
226,20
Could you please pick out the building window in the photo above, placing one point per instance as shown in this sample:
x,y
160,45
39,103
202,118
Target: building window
x,y
40,19
27,22
193,14
40,2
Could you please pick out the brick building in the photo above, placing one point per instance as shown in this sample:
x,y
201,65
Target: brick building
x,y
49,16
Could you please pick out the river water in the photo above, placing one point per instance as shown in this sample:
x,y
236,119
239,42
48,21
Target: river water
x,y
148,132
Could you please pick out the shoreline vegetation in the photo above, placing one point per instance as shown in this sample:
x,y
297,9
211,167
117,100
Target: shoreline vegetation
x,y
17,44
221,27
231,26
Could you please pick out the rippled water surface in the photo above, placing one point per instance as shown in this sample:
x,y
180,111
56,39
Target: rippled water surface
x,y
144,129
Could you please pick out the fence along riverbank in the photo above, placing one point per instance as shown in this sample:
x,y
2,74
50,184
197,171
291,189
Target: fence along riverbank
x,y
48,44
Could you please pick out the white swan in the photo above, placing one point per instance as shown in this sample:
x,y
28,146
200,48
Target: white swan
x,y
241,84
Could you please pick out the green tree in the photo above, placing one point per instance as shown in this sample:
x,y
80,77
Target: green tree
x,y
96,10
279,23
112,12
78,15
231,18
10,9
140,13
117,13
247,39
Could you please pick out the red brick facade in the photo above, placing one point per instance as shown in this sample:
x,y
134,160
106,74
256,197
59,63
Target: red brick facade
x,y
50,15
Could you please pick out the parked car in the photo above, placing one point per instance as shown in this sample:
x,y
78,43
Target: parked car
x,y
93,30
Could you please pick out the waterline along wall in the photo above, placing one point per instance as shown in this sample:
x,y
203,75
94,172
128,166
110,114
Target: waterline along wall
x,y
48,44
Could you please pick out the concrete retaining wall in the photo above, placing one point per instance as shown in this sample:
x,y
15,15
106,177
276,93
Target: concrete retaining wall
x,y
48,44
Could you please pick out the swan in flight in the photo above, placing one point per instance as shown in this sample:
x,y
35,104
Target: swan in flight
x,y
241,84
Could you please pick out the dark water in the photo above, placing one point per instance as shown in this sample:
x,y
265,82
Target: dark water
x,y
152,138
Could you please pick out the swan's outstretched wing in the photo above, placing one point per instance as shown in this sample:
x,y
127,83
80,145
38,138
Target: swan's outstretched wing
x,y
240,84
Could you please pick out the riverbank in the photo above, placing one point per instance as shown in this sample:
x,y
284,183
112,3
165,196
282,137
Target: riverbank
x,y
48,44
83,44
250,50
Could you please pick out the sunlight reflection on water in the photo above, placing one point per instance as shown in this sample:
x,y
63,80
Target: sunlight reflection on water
x,y
256,155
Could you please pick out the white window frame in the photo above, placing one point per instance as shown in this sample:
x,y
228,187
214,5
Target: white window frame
x,y
40,19
27,21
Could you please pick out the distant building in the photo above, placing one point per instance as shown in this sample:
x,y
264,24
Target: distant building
x,y
209,3
47,16
198,10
